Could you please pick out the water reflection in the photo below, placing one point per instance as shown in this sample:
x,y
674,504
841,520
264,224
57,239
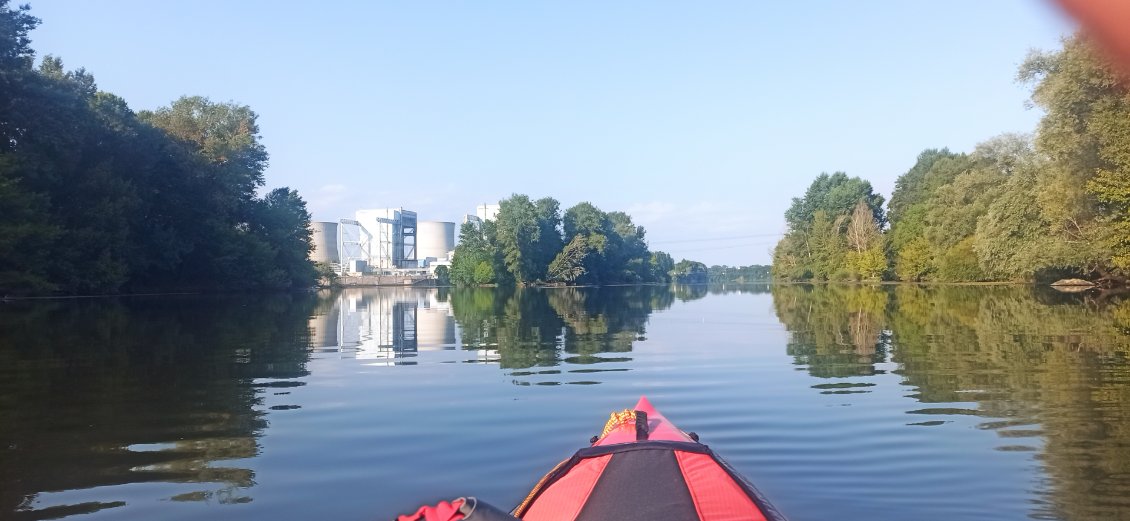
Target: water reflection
x,y
529,327
165,403
385,326
517,328
105,393
1048,372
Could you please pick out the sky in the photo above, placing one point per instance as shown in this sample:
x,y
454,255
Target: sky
x,y
700,119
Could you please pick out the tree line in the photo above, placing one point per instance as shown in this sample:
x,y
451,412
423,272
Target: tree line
x,y
739,274
533,242
1017,208
98,198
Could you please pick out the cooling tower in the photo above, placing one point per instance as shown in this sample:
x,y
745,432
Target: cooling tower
x,y
325,242
434,239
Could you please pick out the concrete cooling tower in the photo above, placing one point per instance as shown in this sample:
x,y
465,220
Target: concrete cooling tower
x,y
325,242
434,239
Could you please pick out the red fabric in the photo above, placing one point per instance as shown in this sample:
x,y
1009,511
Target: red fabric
x,y
563,500
716,496
659,428
443,511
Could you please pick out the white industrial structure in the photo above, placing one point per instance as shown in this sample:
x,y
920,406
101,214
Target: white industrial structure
x,y
325,237
385,238
435,241
487,212
390,241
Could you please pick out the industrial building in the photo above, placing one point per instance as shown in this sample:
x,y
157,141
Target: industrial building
x,y
487,212
436,241
325,238
389,238
388,241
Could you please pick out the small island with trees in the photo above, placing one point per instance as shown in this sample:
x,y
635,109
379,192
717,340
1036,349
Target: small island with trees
x,y
532,243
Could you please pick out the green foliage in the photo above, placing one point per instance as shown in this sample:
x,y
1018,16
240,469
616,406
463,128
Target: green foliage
x,y
15,45
690,272
327,276
1013,211
1085,133
473,249
914,261
740,274
531,242
484,273
97,199
569,265
835,195
660,265
835,232
518,237
443,276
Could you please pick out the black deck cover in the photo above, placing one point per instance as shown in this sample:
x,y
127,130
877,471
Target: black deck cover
x,y
643,485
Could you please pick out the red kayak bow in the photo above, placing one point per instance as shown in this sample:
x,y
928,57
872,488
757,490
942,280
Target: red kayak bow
x,y
642,467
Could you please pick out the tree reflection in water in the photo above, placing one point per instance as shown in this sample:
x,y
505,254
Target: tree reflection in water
x,y
1048,371
140,390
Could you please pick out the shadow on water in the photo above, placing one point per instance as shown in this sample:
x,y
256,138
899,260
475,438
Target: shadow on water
x,y
107,392
1047,371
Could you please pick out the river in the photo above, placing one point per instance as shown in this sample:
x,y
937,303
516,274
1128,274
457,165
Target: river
x,y
838,402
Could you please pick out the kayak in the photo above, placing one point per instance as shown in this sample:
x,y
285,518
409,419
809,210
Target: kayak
x,y
640,468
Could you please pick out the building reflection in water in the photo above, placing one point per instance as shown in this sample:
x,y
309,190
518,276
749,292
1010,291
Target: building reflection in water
x,y
385,326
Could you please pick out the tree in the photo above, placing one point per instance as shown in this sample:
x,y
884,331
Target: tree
x,y
96,199
836,195
690,272
15,45
548,212
284,223
569,265
1085,133
661,265
518,235
817,244
472,250
225,136
443,276
918,183
866,259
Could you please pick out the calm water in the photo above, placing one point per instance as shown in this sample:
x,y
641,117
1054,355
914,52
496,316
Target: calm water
x,y
879,403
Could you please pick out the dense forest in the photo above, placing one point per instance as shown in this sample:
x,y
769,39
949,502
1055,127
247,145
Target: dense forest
x,y
98,198
1016,208
532,242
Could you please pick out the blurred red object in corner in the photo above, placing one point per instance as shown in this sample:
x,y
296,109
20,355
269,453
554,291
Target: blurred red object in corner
x,y
443,511
1108,22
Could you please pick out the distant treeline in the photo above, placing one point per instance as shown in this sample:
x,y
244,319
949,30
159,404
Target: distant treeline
x,y
531,242
1017,208
97,198
740,274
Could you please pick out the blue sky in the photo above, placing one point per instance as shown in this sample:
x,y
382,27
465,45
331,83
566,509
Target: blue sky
x,y
701,119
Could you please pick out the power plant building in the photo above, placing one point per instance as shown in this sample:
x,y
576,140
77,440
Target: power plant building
x,y
324,235
487,212
388,238
435,240
389,241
